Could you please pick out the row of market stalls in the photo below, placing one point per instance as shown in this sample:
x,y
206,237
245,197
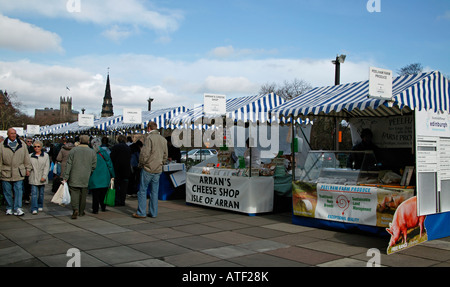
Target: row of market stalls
x,y
402,188
115,124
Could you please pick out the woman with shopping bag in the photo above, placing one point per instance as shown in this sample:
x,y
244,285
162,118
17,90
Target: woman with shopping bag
x,y
38,177
102,176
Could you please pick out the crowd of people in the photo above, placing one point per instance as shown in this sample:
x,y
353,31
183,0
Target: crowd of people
x,y
88,165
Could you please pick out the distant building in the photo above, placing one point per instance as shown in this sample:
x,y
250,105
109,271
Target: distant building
x,y
49,116
107,107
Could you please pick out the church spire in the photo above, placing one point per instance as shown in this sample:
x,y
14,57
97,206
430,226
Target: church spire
x,y
107,107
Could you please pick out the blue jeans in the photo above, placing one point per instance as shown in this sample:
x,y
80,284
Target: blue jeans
x,y
8,187
37,197
146,179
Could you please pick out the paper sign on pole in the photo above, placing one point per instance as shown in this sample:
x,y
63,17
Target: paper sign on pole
x,y
33,129
132,116
380,83
85,120
214,104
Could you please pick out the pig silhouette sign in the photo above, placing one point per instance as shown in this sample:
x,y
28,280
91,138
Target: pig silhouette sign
x,y
407,228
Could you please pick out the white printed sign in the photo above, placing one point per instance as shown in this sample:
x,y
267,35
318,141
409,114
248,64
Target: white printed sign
x,y
33,129
241,194
85,120
132,116
346,203
214,104
380,83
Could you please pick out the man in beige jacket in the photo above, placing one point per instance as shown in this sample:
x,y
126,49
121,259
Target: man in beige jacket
x,y
151,160
79,167
14,166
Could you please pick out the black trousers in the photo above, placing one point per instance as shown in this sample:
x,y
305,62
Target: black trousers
x,y
121,185
98,199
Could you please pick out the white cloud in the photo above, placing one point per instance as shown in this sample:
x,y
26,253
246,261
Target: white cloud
x,y
226,52
111,12
117,34
21,36
135,78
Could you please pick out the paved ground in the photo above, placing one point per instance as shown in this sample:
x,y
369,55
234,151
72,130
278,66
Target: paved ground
x,y
192,236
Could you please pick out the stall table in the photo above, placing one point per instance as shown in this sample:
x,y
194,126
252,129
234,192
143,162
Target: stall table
x,y
171,182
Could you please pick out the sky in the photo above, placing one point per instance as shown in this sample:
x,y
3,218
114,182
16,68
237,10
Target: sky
x,y
175,51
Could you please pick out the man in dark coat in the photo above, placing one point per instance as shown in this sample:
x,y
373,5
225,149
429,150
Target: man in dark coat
x,y
121,157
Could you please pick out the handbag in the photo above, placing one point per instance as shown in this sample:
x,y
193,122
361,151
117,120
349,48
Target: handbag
x,y
66,195
59,194
110,198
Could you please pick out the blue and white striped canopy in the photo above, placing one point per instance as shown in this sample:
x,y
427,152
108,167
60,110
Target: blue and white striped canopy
x,y
116,122
245,109
160,117
429,91
47,130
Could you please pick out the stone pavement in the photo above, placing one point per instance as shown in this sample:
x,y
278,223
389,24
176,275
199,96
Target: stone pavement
x,y
191,236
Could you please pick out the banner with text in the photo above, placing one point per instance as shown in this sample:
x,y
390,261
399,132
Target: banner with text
x,y
368,205
241,194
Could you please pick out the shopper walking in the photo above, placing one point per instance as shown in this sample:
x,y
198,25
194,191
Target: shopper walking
x,y
38,178
14,166
26,197
61,161
80,165
133,183
101,177
151,159
121,157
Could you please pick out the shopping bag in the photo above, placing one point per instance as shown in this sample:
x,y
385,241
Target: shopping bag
x,y
59,194
66,195
110,197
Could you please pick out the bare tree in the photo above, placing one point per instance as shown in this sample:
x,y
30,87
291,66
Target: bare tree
x,y
411,69
288,90
10,114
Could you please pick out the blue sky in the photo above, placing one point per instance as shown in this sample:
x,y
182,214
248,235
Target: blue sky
x,y
175,51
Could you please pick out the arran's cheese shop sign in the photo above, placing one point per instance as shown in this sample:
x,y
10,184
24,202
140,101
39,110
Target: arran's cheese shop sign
x,y
240,194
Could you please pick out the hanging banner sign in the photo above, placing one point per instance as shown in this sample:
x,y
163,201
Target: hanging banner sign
x,y
132,116
357,204
85,120
380,83
388,132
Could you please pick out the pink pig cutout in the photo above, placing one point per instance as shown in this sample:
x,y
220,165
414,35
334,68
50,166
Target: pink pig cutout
x,y
405,218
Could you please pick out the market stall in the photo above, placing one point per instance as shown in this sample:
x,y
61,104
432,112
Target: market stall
x,y
228,181
401,189
173,173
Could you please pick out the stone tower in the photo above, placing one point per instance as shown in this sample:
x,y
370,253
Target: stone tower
x,y
107,107
65,108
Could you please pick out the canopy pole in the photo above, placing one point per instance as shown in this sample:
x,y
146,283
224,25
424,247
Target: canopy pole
x,y
292,148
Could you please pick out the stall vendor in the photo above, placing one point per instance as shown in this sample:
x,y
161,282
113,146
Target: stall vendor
x,y
174,153
366,144
255,155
